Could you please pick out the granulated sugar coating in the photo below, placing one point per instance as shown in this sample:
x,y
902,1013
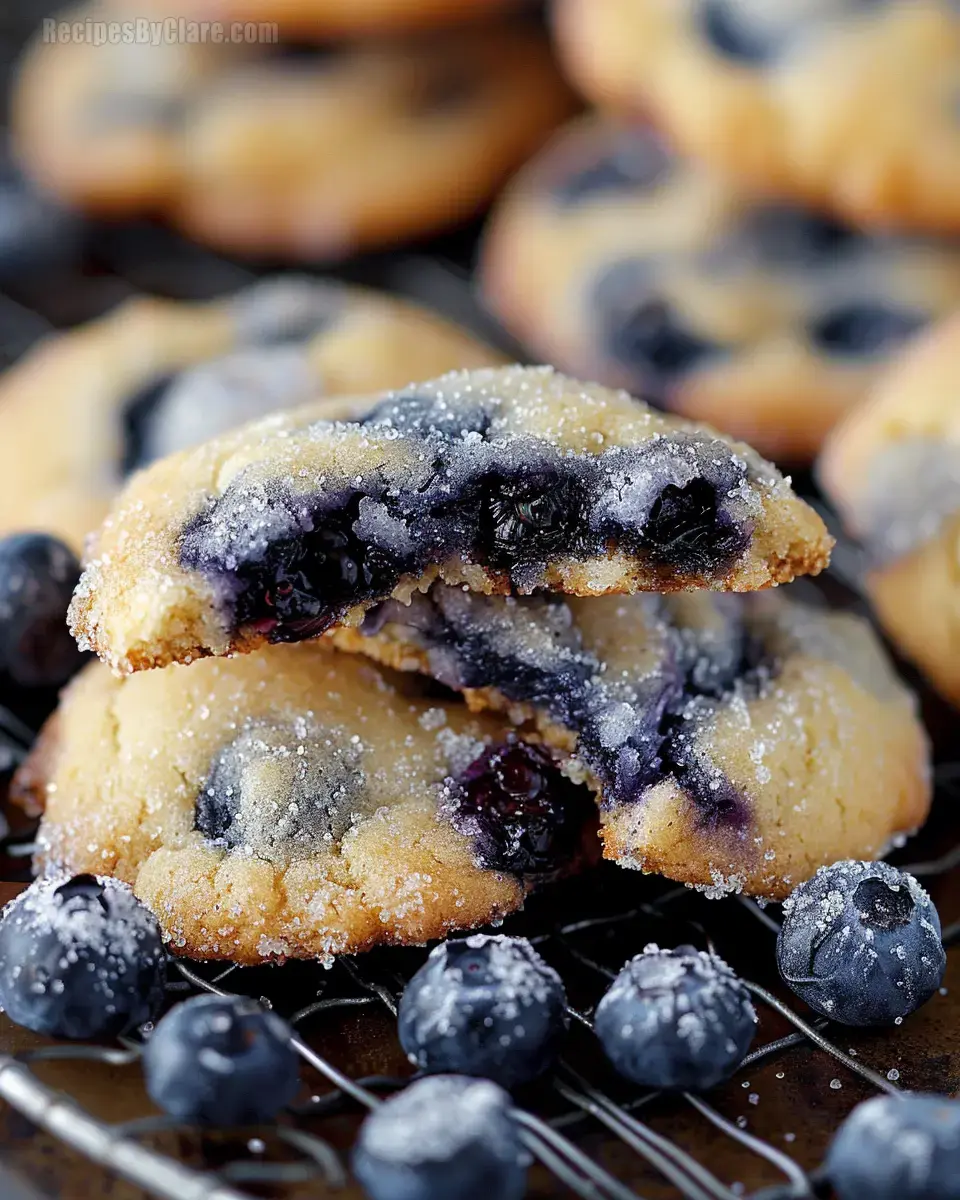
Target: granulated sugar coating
x,y
273,805
503,480
736,743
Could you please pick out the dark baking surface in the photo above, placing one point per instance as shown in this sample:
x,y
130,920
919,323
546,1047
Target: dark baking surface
x,y
792,1098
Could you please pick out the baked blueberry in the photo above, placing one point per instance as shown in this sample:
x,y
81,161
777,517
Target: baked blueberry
x,y
442,1137
522,815
897,1148
529,517
221,1060
729,32
864,328
136,419
80,958
678,1020
642,331
37,576
637,160
860,943
484,1005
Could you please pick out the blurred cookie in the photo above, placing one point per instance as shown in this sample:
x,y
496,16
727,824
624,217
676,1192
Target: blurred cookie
x,y
335,18
284,804
504,480
314,156
851,104
87,407
612,258
734,742
892,468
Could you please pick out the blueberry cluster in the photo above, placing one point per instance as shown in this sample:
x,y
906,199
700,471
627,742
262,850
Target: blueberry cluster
x,y
80,958
291,563
860,943
679,1020
485,1005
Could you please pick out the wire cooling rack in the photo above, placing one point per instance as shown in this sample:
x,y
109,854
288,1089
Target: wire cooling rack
x,y
590,1134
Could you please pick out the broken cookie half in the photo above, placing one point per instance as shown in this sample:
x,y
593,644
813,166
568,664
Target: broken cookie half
x,y
506,481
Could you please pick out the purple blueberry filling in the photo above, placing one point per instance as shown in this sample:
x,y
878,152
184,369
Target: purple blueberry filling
x,y
632,729
641,331
638,161
864,328
289,565
522,816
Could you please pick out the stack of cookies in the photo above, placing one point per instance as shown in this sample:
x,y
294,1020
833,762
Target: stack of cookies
x,y
544,572
757,217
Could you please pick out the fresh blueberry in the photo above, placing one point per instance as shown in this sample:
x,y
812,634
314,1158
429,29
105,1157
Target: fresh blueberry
x,y
440,1138
637,161
864,328
678,1020
484,1005
897,1148
80,958
221,1060
37,578
521,814
860,943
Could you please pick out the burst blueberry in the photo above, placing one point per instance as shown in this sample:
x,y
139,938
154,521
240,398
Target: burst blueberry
x,y
37,576
443,1136
864,328
80,958
860,943
679,1020
897,1148
519,812
221,1060
484,1005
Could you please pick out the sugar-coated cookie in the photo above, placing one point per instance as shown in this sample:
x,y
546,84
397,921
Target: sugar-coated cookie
x,y
734,742
287,804
849,104
85,408
892,468
310,156
615,259
506,480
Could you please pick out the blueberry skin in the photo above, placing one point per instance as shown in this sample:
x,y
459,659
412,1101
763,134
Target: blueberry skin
x,y
485,1005
37,576
445,1136
221,1060
677,1020
897,1148
80,958
860,943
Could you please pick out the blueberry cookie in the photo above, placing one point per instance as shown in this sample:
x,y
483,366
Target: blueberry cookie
x,y
615,259
335,18
734,742
285,804
310,156
892,468
85,408
502,480
848,104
